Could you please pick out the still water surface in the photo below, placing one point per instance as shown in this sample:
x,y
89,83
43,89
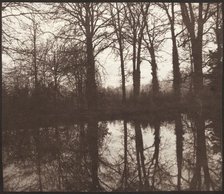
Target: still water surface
x,y
113,156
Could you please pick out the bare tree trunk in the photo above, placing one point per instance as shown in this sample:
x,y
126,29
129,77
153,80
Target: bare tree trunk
x,y
137,25
90,82
138,63
122,76
196,42
151,50
136,74
136,83
155,82
176,64
121,52
192,70
197,60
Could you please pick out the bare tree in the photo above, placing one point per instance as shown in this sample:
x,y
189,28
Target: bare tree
x,y
153,39
195,26
175,54
89,21
136,16
150,45
118,21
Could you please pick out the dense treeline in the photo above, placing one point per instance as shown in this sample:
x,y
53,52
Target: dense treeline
x,y
52,72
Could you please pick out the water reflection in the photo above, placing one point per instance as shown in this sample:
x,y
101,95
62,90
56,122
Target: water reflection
x,y
201,157
179,148
182,154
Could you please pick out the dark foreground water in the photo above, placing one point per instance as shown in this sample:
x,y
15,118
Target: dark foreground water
x,y
114,156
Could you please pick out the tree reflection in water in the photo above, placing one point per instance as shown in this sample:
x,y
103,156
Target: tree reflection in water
x,y
179,148
155,158
92,139
180,154
143,181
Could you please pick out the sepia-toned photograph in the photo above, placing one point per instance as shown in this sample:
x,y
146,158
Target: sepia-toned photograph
x,y
112,96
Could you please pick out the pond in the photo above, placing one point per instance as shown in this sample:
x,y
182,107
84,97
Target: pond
x,y
119,155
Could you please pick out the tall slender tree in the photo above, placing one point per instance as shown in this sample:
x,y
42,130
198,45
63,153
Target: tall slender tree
x,y
195,26
175,54
117,22
150,45
136,16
